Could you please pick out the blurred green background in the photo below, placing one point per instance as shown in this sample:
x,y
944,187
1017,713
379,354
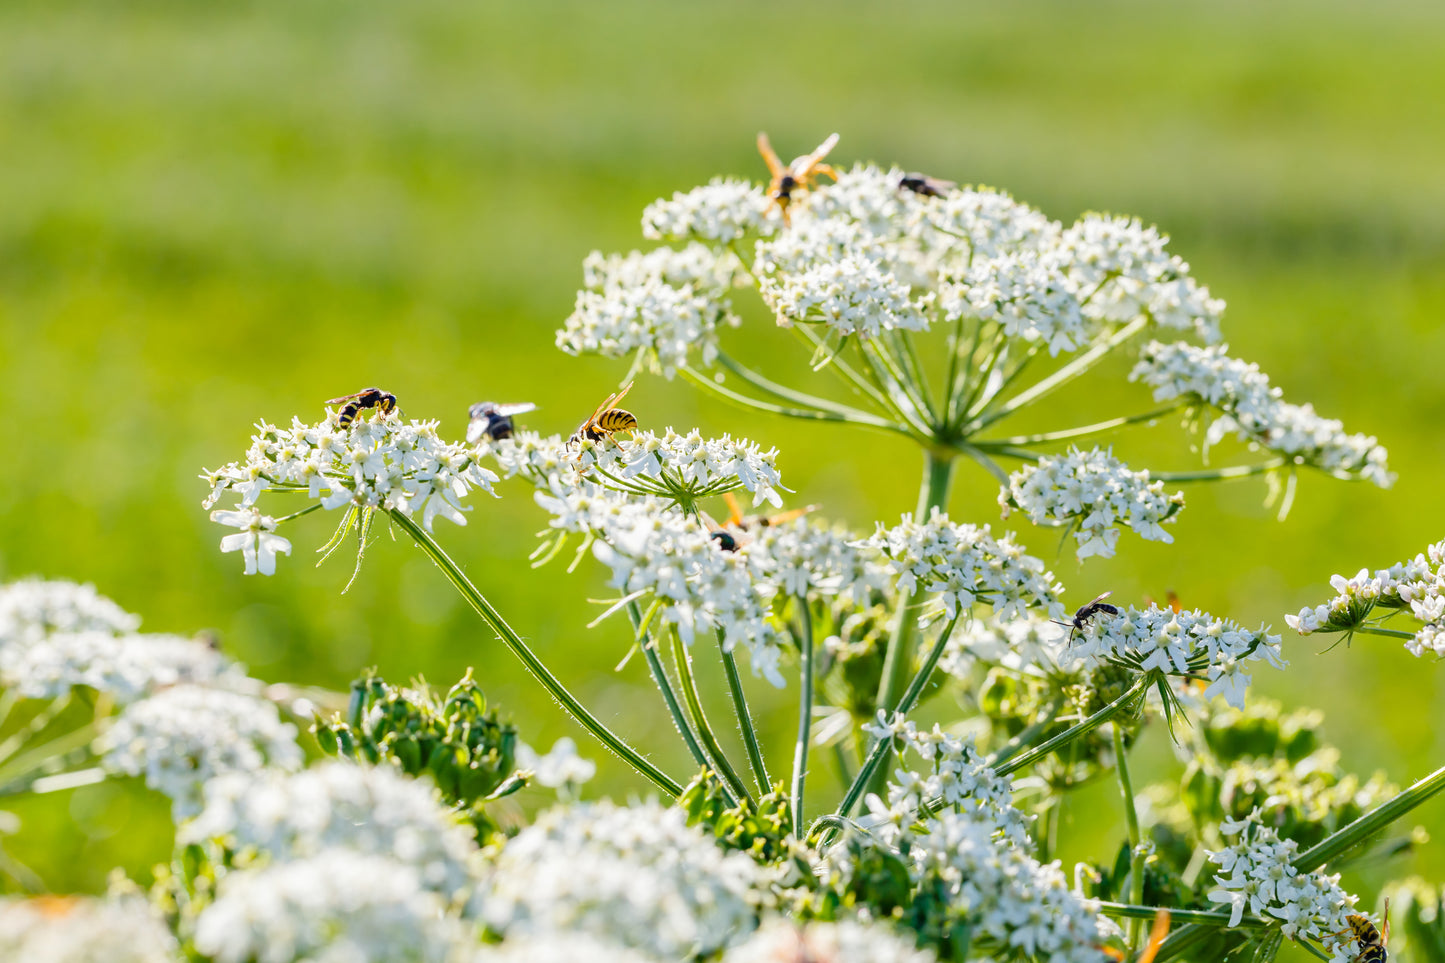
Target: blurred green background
x,y
214,213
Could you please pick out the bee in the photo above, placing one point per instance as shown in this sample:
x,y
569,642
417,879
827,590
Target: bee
x,y
493,421
1372,942
1086,613
798,174
1157,933
732,534
606,421
925,185
366,398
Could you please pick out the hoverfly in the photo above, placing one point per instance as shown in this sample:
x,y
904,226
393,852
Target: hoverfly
x,y
798,174
384,401
1086,613
732,534
493,421
924,185
1372,942
606,420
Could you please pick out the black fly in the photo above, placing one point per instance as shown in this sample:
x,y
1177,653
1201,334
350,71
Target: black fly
x,y
1086,613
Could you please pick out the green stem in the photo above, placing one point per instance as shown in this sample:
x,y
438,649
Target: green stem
x,y
1083,728
1080,432
1217,474
690,695
885,370
884,747
529,659
34,726
1391,633
745,719
845,371
809,414
1059,378
784,393
1131,819
664,685
1372,822
1133,911
1026,735
805,712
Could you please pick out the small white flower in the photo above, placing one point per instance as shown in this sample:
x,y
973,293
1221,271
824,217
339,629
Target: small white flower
x,y
125,667
723,211
80,929
32,609
562,767
256,541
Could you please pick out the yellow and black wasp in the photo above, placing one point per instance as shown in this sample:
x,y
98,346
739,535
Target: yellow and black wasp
x,y
798,174
1372,941
494,421
1157,933
383,401
606,420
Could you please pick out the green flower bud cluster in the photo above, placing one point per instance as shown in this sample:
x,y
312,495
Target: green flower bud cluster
x,y
760,829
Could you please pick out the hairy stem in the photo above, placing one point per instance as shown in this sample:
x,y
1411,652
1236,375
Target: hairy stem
x,y
1083,728
664,685
513,641
720,763
745,719
805,712
1131,819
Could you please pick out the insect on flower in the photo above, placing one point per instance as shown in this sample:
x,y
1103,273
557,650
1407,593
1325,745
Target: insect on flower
x,y
924,185
493,421
732,534
606,420
385,401
1156,939
1372,942
798,174
1087,612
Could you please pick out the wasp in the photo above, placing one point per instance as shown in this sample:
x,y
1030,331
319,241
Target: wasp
x,y
1086,613
606,421
798,174
1157,933
493,421
732,534
385,401
1372,942
925,185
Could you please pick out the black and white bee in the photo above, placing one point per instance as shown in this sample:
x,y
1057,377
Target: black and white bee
x,y
494,421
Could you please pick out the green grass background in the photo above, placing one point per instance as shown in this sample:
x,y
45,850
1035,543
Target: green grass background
x,y
214,213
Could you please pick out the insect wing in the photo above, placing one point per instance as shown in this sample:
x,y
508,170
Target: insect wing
x,y
520,408
345,398
770,156
802,165
1098,599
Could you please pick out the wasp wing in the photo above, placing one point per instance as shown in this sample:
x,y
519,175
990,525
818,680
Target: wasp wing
x,y
519,408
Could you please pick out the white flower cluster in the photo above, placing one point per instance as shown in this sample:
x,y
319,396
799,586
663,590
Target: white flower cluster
x,y
1027,293
1255,411
722,211
665,304
1031,645
185,735
1189,643
1256,875
990,223
31,609
852,295
959,779
1095,492
802,557
1011,903
335,906
373,811
561,768
964,565
682,468
1121,270
638,876
846,941
125,667
559,948
1417,585
378,463
74,929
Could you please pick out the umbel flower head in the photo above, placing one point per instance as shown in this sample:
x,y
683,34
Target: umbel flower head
x,y
31,609
1416,586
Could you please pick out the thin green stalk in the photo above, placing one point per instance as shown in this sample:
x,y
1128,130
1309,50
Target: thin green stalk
x,y
1217,474
884,747
845,371
1026,735
786,394
38,757
1083,728
805,712
743,401
529,659
664,685
982,400
33,726
720,763
745,719
908,357
1390,633
885,369
1059,378
1048,437
1131,819
1133,911
1370,823
975,382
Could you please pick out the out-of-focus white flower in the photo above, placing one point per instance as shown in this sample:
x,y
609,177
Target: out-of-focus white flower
x,y
846,941
337,906
78,929
183,736
558,948
1180,643
802,557
723,211
1031,646
964,565
1257,877
1417,584
125,667
33,608
1096,492
1027,294
1255,411
560,768
338,805
638,876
